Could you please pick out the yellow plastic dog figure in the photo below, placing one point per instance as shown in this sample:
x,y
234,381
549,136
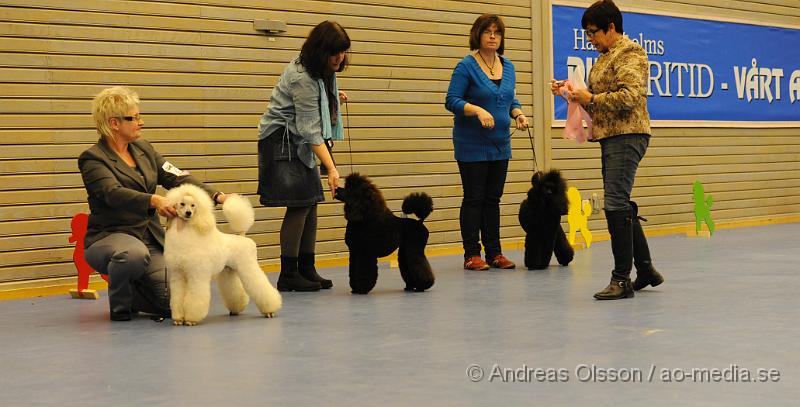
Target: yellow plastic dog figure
x,y
578,219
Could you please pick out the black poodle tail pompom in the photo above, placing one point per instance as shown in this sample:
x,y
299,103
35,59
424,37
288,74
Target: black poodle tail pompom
x,y
418,203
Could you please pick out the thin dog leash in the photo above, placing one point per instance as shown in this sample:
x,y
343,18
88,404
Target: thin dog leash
x,y
347,129
533,150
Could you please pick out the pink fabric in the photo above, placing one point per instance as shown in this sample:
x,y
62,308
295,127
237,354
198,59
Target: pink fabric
x,y
576,115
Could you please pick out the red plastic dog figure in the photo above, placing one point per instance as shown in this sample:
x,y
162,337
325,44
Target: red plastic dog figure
x,y
80,222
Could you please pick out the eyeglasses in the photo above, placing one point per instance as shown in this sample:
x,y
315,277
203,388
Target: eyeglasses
x,y
495,33
591,33
130,118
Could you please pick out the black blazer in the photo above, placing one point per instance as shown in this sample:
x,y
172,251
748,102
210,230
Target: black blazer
x,y
119,197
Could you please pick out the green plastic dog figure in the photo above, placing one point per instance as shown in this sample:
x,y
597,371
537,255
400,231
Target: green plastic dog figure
x,y
702,208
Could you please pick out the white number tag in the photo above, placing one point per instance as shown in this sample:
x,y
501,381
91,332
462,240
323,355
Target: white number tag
x,y
168,167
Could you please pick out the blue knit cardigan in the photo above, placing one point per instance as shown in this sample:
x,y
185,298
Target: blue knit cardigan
x,y
469,84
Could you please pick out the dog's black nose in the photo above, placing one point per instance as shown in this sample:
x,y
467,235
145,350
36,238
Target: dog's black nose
x,y
188,214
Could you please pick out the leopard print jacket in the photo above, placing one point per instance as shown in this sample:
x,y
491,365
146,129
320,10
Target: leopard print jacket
x,y
619,82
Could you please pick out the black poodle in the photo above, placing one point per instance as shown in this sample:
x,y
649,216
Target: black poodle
x,y
373,231
540,217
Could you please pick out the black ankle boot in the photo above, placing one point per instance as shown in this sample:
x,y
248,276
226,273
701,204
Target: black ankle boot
x,y
305,265
646,274
122,315
616,290
290,278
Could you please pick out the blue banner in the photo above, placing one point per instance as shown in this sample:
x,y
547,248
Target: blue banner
x,y
700,70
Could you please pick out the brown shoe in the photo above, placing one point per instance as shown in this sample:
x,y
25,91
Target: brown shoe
x,y
616,290
501,262
475,263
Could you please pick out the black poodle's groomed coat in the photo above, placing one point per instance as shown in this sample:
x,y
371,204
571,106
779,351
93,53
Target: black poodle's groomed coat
x,y
373,231
540,217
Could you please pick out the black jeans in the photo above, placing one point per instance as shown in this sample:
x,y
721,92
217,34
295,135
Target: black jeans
x,y
482,183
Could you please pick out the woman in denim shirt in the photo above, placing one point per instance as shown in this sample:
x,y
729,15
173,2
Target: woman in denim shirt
x,y
482,98
302,119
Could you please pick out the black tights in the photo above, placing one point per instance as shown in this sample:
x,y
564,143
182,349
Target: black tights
x,y
299,231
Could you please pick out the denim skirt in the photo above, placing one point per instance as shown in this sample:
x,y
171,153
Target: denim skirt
x,y
283,179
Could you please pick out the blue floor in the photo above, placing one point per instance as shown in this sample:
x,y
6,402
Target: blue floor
x,y
730,302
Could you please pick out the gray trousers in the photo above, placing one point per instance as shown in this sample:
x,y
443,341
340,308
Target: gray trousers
x,y
137,274
620,159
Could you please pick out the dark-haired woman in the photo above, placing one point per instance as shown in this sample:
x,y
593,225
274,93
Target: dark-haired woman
x,y
302,120
617,102
482,99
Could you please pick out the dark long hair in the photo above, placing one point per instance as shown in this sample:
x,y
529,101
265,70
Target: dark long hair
x,y
326,39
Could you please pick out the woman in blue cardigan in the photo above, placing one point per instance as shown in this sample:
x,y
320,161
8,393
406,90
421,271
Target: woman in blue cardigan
x,y
482,98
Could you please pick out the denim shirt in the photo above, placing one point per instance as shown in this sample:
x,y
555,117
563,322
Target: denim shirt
x,y
295,106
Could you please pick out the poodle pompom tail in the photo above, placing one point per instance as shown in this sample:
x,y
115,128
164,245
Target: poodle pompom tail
x,y
418,203
239,213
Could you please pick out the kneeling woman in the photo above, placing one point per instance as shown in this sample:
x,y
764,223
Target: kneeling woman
x,y
125,239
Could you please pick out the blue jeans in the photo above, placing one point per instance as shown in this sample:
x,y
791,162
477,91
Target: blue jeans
x,y
620,157
482,183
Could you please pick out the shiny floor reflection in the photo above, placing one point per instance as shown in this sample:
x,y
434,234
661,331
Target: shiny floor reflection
x,y
519,337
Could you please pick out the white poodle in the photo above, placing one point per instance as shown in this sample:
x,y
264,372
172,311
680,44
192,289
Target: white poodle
x,y
195,252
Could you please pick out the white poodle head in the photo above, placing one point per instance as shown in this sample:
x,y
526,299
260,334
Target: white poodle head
x,y
186,207
194,207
